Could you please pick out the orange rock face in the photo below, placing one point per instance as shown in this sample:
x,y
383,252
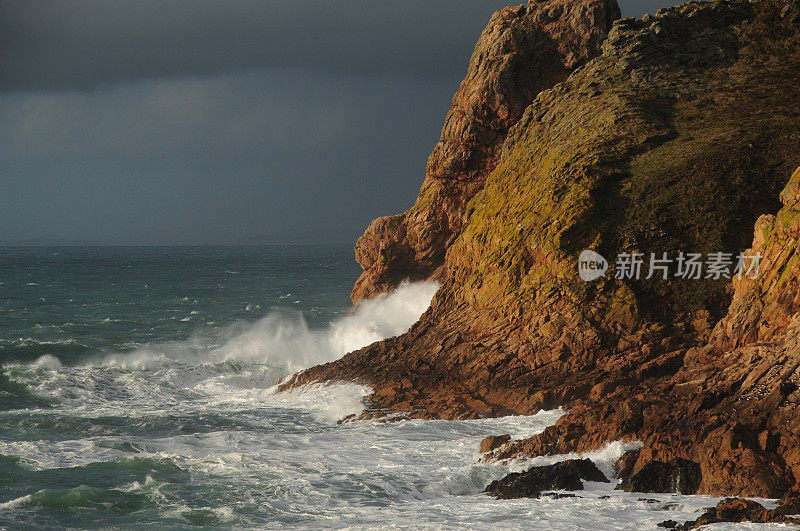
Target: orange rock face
x,y
523,51
492,442
678,136
734,404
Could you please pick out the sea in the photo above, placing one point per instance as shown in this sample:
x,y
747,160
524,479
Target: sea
x,y
138,390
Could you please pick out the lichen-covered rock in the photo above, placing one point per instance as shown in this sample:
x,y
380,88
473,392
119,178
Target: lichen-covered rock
x,y
764,308
523,51
677,138
733,405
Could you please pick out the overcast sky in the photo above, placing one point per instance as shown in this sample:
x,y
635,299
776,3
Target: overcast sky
x,y
198,122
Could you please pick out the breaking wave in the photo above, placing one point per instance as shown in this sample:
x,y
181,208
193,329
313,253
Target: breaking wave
x,y
283,339
25,350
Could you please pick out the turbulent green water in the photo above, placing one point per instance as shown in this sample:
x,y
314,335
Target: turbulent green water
x,y
72,302
136,391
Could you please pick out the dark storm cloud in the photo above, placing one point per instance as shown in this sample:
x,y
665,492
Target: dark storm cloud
x,y
192,122
80,43
256,157
49,44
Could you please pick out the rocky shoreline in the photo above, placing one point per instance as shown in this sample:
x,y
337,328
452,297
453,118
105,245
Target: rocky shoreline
x,y
575,130
656,476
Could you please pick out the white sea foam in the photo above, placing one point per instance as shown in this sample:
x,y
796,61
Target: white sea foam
x,y
604,458
386,315
284,340
203,438
282,458
48,361
326,402
15,503
414,474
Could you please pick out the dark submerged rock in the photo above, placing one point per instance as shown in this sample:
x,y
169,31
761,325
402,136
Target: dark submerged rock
x,y
566,475
677,475
738,510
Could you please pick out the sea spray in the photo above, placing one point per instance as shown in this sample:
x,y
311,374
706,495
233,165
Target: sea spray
x,y
283,339
286,339
604,457
326,403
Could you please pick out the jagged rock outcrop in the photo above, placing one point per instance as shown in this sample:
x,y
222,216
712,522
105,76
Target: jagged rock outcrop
x,y
735,510
566,475
766,308
677,138
734,405
678,475
493,442
523,51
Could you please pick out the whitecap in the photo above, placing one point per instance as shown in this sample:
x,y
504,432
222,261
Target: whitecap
x,y
284,340
16,502
48,361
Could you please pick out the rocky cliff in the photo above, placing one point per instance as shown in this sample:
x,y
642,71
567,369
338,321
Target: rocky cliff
x,y
677,137
733,405
523,51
